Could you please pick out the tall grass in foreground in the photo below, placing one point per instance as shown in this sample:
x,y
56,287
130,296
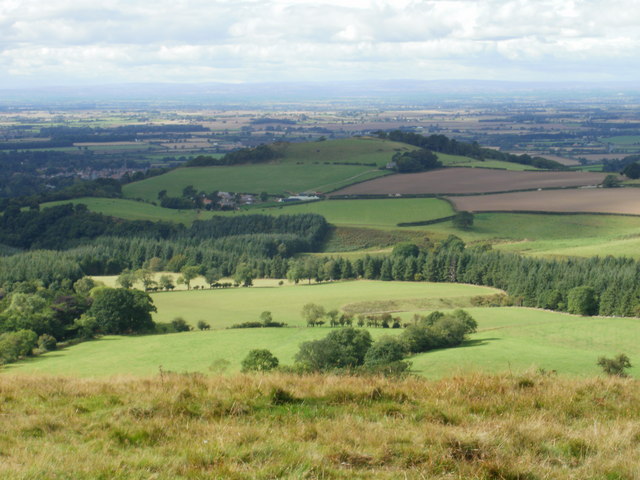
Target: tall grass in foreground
x,y
285,426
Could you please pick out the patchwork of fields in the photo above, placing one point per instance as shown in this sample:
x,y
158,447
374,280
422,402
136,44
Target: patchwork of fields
x,y
470,180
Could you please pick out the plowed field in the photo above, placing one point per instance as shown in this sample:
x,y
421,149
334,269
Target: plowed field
x,y
595,200
470,180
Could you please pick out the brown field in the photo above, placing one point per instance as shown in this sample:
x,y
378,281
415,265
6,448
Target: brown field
x,y
470,180
592,200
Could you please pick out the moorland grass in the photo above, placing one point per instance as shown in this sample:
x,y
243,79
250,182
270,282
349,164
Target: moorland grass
x,y
171,426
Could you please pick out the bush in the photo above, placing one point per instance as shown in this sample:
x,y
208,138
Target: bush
x,y
344,348
202,325
14,345
438,330
180,325
47,343
259,360
385,350
615,366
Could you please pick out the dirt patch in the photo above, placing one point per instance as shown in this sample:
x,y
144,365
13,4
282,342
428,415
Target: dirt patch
x,y
589,200
470,180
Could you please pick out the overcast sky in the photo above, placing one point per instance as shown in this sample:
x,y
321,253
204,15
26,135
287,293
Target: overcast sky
x,y
71,42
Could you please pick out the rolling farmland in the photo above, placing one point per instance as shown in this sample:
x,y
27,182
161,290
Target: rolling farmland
x,y
470,180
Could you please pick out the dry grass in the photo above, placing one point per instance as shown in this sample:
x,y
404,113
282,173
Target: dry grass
x,y
284,426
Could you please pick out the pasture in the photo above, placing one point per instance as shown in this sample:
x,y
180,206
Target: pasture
x,y
374,213
309,166
549,234
277,179
470,180
595,200
460,161
508,339
134,210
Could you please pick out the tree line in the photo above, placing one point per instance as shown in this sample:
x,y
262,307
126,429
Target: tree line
x,y
444,144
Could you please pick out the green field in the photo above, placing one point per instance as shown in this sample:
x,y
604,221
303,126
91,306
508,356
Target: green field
x,y
381,213
516,339
133,210
622,140
551,235
222,308
271,178
459,161
309,166
352,150
509,339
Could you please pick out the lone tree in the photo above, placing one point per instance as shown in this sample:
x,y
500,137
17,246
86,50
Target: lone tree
x,y
615,366
259,360
463,220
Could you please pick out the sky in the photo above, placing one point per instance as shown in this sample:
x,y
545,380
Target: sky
x,y
94,42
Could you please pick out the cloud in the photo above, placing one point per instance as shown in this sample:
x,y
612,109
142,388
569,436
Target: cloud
x,y
76,41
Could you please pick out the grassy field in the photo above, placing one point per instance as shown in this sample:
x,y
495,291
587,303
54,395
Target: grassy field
x,y
459,161
260,427
551,235
380,213
383,213
133,210
273,179
352,150
509,339
222,308
309,166
516,339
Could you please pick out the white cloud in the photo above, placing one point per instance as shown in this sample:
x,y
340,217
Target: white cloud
x,y
76,41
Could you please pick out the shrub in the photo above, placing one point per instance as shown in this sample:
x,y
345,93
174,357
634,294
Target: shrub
x,y
259,360
615,366
202,325
180,325
47,343
344,348
14,345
